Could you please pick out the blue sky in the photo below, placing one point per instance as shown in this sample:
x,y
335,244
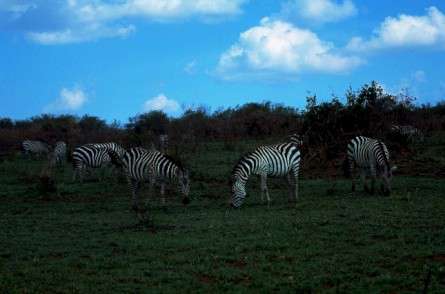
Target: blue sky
x,y
115,59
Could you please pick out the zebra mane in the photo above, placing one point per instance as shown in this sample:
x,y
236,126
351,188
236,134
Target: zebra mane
x,y
242,159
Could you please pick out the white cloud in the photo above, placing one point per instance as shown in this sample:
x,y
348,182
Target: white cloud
x,y
79,35
161,102
71,21
319,11
413,84
190,68
157,9
405,30
278,47
69,100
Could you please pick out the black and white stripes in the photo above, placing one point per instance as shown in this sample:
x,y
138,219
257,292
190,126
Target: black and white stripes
x,y
274,160
88,156
409,132
58,155
141,165
110,146
371,157
38,148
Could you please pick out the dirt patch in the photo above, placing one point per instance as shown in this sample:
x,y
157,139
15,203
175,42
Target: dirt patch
x,y
206,279
243,279
240,264
438,257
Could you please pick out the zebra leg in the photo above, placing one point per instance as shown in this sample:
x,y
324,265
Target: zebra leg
x,y
134,185
373,178
74,175
264,190
353,178
290,186
163,193
364,181
292,181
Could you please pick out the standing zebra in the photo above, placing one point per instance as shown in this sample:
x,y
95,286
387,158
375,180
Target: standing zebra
x,y
141,165
273,160
58,155
38,148
409,132
372,158
88,156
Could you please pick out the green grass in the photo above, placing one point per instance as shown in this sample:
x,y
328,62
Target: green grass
x,y
84,238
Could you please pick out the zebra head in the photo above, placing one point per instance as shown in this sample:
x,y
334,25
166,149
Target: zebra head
x,y
184,185
238,193
387,177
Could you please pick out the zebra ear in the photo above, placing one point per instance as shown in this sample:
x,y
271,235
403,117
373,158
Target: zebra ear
x,y
394,168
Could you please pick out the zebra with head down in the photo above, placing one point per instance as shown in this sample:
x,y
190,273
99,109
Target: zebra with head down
x,y
371,157
279,160
142,165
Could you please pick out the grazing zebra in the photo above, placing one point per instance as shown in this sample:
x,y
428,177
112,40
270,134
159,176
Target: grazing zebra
x,y
58,155
273,160
409,132
141,165
372,158
38,148
88,156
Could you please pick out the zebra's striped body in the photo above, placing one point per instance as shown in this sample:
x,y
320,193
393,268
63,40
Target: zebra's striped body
x,y
141,165
281,160
58,155
110,146
371,157
38,148
409,132
88,156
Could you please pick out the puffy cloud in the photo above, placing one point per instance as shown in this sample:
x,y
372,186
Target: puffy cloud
x,y
69,100
320,11
71,21
157,9
405,30
161,102
278,47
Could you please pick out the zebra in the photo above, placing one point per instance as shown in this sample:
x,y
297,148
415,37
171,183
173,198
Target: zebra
x,y
140,165
277,160
38,148
89,156
409,132
58,155
371,157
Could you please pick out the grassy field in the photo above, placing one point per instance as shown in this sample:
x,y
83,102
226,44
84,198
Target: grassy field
x,y
84,238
